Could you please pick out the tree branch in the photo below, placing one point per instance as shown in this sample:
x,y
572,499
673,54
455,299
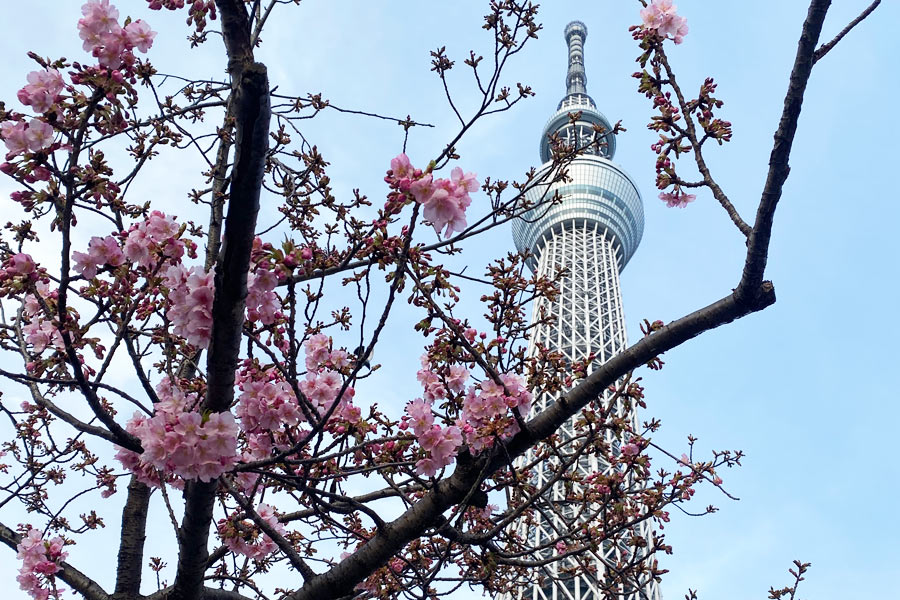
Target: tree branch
x,y
758,241
131,541
252,113
825,48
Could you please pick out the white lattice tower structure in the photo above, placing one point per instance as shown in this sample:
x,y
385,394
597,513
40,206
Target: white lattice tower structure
x,y
591,234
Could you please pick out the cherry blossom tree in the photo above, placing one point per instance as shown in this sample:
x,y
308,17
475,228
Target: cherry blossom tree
x,y
245,421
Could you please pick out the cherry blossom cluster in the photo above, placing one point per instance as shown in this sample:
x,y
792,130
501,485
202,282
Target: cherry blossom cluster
x,y
321,388
157,235
661,17
485,415
244,537
38,331
191,293
40,562
267,405
179,440
41,333
435,387
109,42
444,201
441,443
263,304
41,93
21,137
159,239
320,355
101,252
678,198
42,90
268,408
323,384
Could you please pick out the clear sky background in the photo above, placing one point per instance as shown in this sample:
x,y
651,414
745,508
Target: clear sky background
x,y
808,388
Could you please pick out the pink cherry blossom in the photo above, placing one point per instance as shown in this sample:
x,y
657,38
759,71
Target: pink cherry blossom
x,y
631,449
244,537
441,443
457,377
85,264
101,251
99,18
178,440
403,172
444,201
40,562
42,89
41,333
266,405
677,199
191,293
422,188
107,40
39,135
14,136
112,45
263,303
321,389
427,467
434,388
420,414
444,210
318,350
20,264
661,17
140,35
486,410
466,182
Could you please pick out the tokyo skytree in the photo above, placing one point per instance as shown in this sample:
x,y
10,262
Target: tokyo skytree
x,y
592,234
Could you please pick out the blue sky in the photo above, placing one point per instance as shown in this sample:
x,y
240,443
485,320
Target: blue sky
x,y
808,388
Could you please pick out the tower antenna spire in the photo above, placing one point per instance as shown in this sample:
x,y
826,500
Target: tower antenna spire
x,y
576,80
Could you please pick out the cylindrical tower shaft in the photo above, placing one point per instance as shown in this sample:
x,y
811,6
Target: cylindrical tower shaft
x,y
589,236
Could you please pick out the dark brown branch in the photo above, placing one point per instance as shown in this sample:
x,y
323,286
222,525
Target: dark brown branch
x,y
758,241
205,594
236,35
252,114
60,414
131,541
825,48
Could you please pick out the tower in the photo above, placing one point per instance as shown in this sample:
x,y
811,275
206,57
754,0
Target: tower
x,y
592,233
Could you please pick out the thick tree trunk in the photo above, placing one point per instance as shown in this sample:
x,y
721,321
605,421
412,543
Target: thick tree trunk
x,y
252,113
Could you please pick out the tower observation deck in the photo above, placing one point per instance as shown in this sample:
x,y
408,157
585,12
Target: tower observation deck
x,y
592,233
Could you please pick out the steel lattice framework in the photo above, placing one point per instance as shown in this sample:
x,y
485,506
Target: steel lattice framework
x,y
591,234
